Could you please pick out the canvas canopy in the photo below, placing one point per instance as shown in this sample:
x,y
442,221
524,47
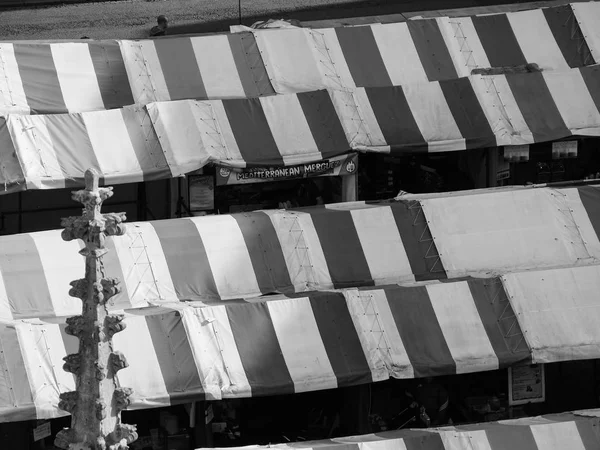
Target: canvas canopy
x,y
577,431
486,233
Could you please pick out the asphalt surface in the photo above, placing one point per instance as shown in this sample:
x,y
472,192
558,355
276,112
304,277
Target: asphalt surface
x,y
133,18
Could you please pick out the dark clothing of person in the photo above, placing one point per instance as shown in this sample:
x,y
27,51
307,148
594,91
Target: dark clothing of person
x,y
434,398
158,31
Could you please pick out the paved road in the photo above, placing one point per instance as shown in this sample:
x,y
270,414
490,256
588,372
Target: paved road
x,y
133,18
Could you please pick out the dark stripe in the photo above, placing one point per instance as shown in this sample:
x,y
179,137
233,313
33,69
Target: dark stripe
x,y
265,252
432,50
431,441
73,161
341,246
180,68
24,277
111,74
187,259
537,106
591,77
250,65
587,433
493,307
324,123
259,349
363,57
9,162
468,113
175,357
396,119
420,331
252,132
417,241
39,78
510,437
499,40
568,35
145,143
590,197
340,339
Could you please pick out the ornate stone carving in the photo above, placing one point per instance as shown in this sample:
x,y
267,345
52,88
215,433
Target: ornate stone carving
x,y
72,363
114,324
122,397
117,361
97,403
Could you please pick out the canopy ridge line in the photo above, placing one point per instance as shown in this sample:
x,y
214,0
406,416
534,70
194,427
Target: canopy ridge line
x,y
98,400
139,251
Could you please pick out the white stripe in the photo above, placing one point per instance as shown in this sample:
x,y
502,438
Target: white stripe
x,y
558,436
5,310
114,150
365,131
217,67
21,393
588,18
154,279
154,71
236,383
536,39
582,220
382,245
491,104
472,440
12,94
290,60
383,443
302,250
463,329
228,258
226,140
137,72
35,151
42,348
180,135
500,96
327,50
372,315
205,348
466,50
399,53
308,364
290,129
433,116
144,373
77,77
453,46
59,272
576,106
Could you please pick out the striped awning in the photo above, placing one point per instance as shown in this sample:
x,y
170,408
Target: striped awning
x,y
83,76
167,139
278,345
552,432
252,254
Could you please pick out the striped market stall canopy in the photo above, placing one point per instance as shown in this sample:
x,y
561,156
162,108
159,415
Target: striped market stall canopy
x,y
180,352
577,431
247,255
83,76
171,138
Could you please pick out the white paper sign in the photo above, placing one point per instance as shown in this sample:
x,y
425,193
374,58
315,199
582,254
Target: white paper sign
x,y
41,431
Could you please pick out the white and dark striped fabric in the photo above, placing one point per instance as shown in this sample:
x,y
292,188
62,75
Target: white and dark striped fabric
x,y
251,348
252,254
421,50
553,432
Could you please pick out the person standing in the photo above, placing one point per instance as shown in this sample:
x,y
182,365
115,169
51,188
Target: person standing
x,y
161,28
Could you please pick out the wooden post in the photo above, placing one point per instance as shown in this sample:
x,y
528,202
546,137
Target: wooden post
x,y
98,400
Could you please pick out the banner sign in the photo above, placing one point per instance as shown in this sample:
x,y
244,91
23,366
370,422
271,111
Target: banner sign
x,y
337,166
526,384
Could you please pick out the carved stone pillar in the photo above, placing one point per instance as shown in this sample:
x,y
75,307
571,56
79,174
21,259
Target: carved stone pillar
x,y
96,404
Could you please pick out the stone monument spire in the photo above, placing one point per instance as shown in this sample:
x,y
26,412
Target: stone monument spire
x,y
96,404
